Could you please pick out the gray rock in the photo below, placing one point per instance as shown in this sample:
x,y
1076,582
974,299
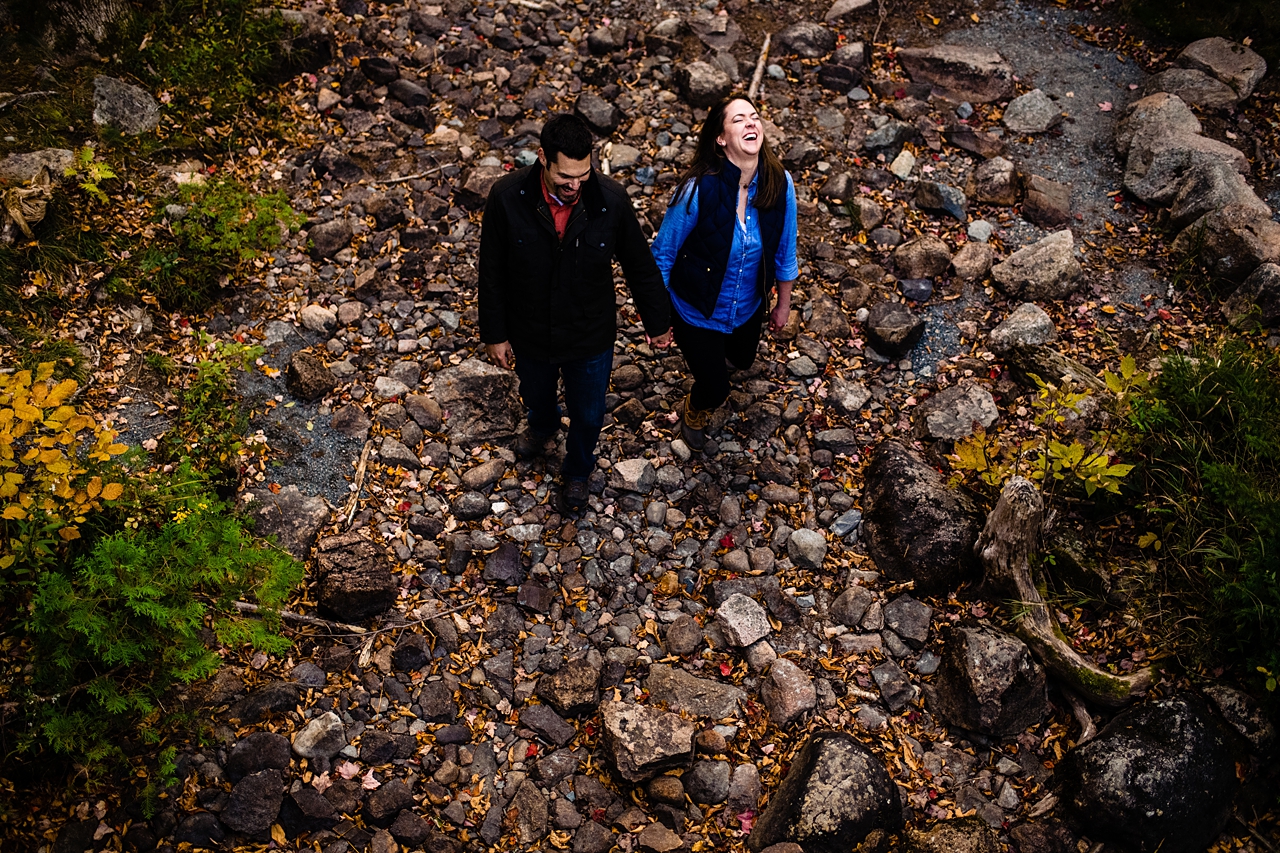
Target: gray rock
x,y
742,620
1256,303
1232,242
1047,269
703,85
684,636
591,837
482,477
957,412
1245,715
425,411
915,527
924,257
909,619
388,387
989,683
307,377
573,689
842,8
807,548
802,367
123,106
255,752
505,565
476,185
255,801
355,578
1193,86
847,523
973,261
633,475
894,684
329,238
701,697
806,39
1031,113
787,692
828,319
848,397
602,116
1047,203
321,738
351,421
961,835
851,605
890,135
1026,326
1160,775
975,74
994,181
293,518
744,788
384,804
395,454
273,698
865,213
1154,117
548,724
1208,188
707,782
1158,166
942,198
834,795
528,809
22,168
481,402
1232,63
893,330
644,742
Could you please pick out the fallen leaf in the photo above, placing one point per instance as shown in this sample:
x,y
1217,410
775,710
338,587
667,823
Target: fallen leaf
x,y
369,782
1105,106
347,770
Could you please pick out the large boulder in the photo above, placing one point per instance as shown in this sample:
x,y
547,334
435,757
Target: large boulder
x,y
989,683
479,401
1047,269
1211,187
1232,242
957,412
124,106
893,329
254,802
1226,61
836,793
806,39
1256,303
917,528
1159,776
1193,86
644,742
22,168
974,74
291,517
355,578
1157,166
1158,116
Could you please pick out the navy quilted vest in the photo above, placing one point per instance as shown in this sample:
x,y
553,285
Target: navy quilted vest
x,y
698,273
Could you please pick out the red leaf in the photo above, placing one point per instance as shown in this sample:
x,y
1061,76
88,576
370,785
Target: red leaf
x,y
726,541
403,506
725,669
1164,315
531,751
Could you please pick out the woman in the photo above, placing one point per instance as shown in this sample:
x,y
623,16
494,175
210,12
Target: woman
x,y
728,238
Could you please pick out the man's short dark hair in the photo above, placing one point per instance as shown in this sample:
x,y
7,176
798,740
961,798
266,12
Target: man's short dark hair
x,y
567,133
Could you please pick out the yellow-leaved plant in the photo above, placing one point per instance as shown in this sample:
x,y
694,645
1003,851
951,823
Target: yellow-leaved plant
x,y
51,459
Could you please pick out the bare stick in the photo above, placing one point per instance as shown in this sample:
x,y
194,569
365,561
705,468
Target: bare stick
x,y
302,619
759,72
25,96
360,470
409,177
1006,546
1087,729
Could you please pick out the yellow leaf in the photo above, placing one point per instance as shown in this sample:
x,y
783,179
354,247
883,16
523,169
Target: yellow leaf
x,y
112,491
278,836
974,18
61,392
26,412
68,533
14,512
44,371
117,449
94,488
1108,309
6,562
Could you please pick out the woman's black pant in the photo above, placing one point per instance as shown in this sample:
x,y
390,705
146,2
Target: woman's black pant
x,y
705,351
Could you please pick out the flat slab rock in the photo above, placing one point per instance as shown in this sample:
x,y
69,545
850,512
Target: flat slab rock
x,y
644,742
702,697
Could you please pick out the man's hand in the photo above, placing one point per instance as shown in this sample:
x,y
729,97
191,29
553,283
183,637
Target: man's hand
x,y
500,354
779,316
662,341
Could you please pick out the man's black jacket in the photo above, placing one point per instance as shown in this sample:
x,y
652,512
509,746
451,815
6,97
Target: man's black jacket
x,y
554,299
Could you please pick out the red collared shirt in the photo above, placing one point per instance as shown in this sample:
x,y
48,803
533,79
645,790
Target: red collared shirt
x,y
559,211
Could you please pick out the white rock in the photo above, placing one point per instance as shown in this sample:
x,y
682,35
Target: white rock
x,y
317,318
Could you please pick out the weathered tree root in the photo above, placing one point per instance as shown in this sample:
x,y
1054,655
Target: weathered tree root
x,y
1006,546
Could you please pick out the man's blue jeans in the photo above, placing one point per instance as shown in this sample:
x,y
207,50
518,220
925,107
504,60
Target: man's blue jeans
x,y
585,382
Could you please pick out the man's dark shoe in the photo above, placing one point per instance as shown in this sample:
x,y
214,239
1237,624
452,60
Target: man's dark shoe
x,y
693,426
574,495
530,445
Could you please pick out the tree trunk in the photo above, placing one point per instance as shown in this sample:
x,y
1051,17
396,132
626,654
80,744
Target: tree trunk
x,y
1006,548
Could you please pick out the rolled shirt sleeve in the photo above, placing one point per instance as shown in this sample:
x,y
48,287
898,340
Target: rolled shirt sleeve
x,y
786,266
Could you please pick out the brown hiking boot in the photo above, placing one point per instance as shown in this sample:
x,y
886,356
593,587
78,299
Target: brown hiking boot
x,y
693,425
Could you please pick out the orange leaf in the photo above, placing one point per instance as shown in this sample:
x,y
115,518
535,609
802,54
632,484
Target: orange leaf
x,y
112,491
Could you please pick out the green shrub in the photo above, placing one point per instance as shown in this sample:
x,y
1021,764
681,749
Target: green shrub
x,y
126,622
1211,438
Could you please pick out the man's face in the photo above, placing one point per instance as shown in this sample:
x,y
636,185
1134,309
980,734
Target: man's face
x,y
564,177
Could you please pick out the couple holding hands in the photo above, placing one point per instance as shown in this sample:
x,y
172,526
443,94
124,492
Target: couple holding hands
x,y
547,304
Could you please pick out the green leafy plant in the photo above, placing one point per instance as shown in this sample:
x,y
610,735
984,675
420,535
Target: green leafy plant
x,y
1211,440
1058,451
90,172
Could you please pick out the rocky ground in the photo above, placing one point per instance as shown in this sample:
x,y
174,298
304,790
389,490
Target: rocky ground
x,y
777,641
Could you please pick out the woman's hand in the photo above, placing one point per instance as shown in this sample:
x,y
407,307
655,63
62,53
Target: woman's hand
x,y
781,312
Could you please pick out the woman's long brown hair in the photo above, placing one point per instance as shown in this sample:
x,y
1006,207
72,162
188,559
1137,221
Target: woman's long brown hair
x,y
709,158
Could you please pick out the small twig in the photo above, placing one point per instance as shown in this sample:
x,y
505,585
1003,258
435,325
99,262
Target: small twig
x,y
758,74
883,9
25,96
350,512
409,177
302,618
1087,729
864,695
1259,836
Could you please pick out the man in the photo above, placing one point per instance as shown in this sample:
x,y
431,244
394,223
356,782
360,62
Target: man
x,y
547,304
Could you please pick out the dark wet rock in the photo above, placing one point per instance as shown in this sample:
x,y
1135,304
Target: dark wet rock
x,y
254,803
923,257
603,116
307,377
591,837
1159,776
957,412
909,619
470,506
942,198
916,528
1227,61
889,136
355,578
835,794
475,188
989,683
481,401
1211,187
410,94
255,752
379,70
272,698
412,652
1256,303
643,741
994,181
548,724
383,804
806,39
329,238
892,329
684,636
1232,242
123,106
1047,203
293,518
201,830
702,84
352,422
574,689
437,702
411,830
1047,269
973,74
505,565
894,684
701,697
1244,714
707,782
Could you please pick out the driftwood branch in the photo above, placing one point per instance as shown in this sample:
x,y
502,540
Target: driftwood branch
x,y
758,74
302,619
1052,367
1006,547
